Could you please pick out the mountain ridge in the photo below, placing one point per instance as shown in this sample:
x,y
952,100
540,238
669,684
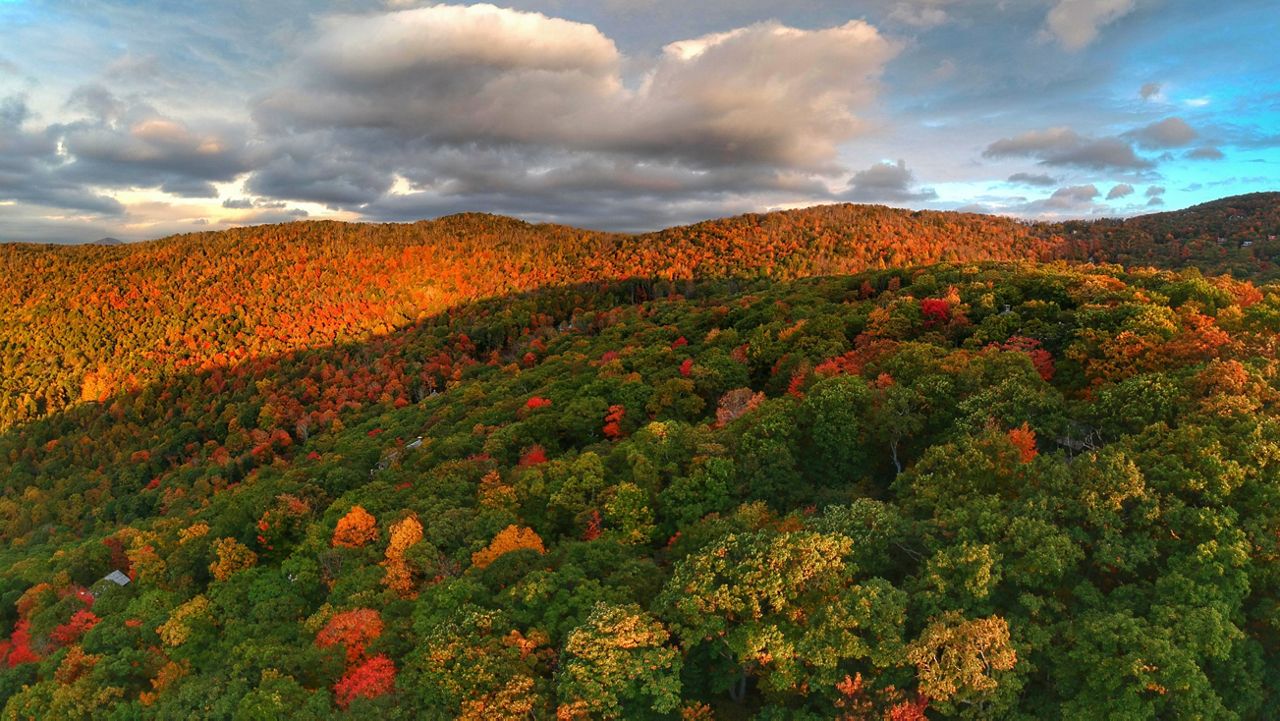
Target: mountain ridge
x,y
753,215
79,321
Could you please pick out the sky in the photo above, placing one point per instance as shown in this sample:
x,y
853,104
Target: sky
x,y
146,118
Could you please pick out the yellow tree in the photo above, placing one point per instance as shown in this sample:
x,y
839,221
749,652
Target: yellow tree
x,y
232,556
619,659
955,657
399,577
511,538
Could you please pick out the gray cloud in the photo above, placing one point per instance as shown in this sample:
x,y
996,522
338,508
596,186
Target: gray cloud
x,y
1155,190
1075,23
1206,152
1072,196
1119,191
117,143
614,191
31,167
1167,133
340,176
1065,147
1150,91
1040,180
189,188
1073,200
886,182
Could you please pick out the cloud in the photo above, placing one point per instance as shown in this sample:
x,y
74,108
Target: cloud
x,y
1151,91
1206,152
1076,23
1120,191
31,167
130,144
189,188
1167,133
1073,200
1065,147
320,168
1042,180
922,14
1155,202
408,93
1072,196
1155,190
249,203
593,190
886,182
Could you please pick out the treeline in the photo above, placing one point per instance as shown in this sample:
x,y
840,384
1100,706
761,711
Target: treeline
x,y
969,490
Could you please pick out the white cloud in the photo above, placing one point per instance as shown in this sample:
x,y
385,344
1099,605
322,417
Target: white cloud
x,y
452,75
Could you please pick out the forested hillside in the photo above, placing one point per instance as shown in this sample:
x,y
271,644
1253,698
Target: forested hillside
x,y
475,468
1236,235
83,323
957,491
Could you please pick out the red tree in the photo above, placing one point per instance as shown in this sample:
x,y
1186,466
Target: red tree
x,y
533,456
354,630
370,679
613,422
71,631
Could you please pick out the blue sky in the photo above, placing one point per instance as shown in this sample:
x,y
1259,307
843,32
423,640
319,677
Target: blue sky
x,y
141,119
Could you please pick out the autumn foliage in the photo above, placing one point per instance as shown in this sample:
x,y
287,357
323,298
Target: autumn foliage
x,y
370,678
1024,439
68,633
353,630
511,538
399,576
230,556
355,529
613,421
626,479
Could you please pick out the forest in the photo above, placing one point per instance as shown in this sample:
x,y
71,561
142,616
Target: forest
x,y
847,462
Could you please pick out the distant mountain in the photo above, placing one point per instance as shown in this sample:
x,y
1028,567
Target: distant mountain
x,y
108,241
